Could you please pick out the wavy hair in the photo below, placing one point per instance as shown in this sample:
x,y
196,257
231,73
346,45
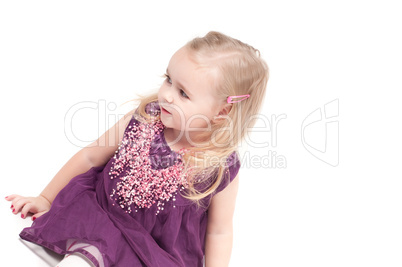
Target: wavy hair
x,y
240,71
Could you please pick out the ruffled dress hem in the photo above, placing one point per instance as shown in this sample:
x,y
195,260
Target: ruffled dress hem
x,y
31,238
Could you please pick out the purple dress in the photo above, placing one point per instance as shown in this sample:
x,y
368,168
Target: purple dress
x,y
131,208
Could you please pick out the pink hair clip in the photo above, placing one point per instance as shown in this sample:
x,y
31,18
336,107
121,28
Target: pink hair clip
x,y
242,97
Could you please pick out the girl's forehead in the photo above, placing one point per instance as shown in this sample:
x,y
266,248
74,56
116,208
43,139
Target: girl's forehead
x,y
182,56
198,78
190,56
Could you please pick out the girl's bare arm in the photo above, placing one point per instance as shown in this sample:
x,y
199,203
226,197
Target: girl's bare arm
x,y
95,154
219,237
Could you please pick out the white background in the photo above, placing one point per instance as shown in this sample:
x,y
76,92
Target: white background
x,y
54,55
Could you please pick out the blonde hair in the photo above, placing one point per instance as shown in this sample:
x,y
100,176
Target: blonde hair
x,y
240,71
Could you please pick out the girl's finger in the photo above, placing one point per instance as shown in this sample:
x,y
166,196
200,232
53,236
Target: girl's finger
x,y
37,215
25,210
15,200
11,197
19,204
13,204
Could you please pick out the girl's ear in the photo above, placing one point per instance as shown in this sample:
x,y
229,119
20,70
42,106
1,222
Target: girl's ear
x,y
225,109
222,113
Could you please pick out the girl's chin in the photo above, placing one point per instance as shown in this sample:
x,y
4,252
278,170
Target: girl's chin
x,y
166,120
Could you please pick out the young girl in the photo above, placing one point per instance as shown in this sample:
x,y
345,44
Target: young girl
x,y
159,187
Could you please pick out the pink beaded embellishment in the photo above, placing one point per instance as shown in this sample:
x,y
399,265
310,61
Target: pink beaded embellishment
x,y
140,186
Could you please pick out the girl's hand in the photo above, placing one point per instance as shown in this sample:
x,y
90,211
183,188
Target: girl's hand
x,y
35,205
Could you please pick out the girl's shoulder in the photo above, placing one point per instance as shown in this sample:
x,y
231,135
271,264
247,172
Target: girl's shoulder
x,y
153,109
232,169
233,159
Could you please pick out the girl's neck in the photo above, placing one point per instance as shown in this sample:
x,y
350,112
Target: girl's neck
x,y
178,140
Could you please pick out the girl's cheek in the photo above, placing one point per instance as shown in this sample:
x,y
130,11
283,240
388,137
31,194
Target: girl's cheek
x,y
196,122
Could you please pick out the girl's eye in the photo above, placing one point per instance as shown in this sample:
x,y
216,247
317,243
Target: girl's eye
x,y
168,79
183,94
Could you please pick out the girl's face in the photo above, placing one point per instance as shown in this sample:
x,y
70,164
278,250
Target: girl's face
x,y
186,97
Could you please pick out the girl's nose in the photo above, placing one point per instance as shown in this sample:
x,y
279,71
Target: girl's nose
x,y
169,97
